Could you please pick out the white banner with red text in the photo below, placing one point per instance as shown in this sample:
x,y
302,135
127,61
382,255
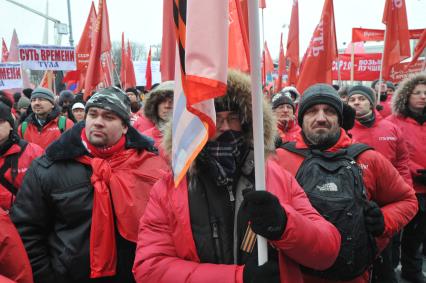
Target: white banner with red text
x,y
47,57
10,75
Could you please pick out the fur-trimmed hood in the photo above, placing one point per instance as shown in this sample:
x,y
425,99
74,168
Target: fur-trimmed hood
x,y
405,88
155,97
238,96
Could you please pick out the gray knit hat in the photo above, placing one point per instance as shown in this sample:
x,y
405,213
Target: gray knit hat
x,y
282,98
111,99
365,91
23,102
41,92
320,94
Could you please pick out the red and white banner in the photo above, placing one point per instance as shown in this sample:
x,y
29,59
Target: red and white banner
x,y
401,71
10,76
364,34
366,67
47,57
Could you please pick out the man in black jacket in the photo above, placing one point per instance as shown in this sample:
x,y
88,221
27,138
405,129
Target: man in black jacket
x,y
79,206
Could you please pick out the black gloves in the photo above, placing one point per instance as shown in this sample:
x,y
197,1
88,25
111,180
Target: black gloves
x,y
269,272
422,177
379,107
264,211
374,220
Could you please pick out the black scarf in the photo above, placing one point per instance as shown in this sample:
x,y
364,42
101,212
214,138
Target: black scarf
x,y
368,120
224,156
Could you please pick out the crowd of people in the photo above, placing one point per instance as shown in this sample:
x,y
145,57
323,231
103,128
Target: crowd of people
x,y
87,193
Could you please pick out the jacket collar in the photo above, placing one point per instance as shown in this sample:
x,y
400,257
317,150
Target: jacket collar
x,y
69,145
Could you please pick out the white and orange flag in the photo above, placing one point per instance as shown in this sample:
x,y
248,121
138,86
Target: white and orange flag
x,y
318,60
397,35
200,76
4,51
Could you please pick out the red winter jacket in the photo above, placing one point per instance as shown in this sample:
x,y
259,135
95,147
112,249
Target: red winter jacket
x,y
166,250
157,136
48,133
384,186
31,152
290,133
14,263
387,139
387,108
416,143
142,124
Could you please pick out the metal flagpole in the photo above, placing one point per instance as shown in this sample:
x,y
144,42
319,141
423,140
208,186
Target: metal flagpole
x,y
257,110
381,70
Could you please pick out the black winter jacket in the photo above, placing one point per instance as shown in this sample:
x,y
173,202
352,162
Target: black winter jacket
x,y
53,213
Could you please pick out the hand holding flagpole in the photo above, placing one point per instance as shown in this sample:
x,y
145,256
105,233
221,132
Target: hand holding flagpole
x,y
257,110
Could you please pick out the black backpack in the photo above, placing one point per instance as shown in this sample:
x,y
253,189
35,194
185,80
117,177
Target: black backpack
x,y
334,185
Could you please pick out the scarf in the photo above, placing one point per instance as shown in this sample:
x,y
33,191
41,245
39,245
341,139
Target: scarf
x,y
114,181
224,155
367,120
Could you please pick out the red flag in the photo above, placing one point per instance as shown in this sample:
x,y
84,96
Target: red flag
x,y
168,43
4,52
420,46
318,60
269,63
107,68
293,44
148,72
101,44
237,47
130,70
13,48
123,62
397,39
262,4
281,65
48,80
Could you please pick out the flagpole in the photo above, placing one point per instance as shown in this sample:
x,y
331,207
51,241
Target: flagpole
x,y
381,69
339,78
352,62
257,110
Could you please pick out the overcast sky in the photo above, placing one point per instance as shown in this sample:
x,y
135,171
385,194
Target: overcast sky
x,y
141,20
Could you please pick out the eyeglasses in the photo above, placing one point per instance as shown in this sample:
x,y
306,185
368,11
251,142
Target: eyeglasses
x,y
230,119
419,92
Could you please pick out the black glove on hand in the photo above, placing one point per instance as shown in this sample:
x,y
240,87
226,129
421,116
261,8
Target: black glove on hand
x,y
379,107
374,220
269,272
348,117
422,177
264,211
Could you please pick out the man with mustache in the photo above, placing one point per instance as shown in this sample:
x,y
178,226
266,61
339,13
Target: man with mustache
x,y
388,203
78,209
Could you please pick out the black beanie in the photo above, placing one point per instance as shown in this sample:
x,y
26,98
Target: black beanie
x,y
281,98
6,115
320,94
363,90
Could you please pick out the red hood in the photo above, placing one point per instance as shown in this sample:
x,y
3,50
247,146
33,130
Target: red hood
x,y
343,142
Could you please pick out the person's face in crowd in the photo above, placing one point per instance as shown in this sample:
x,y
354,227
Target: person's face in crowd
x,y
225,121
132,97
380,87
41,107
164,109
389,91
284,113
5,129
344,98
417,99
361,104
103,127
320,123
78,114
22,110
66,103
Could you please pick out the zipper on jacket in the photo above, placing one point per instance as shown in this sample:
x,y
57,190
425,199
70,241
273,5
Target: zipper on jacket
x,y
216,240
231,193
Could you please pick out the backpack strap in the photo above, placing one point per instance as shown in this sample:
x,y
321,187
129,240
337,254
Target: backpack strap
x,y
291,146
24,127
356,149
11,161
62,123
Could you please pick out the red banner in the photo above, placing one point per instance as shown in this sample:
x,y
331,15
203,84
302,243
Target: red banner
x,y
363,34
401,71
366,67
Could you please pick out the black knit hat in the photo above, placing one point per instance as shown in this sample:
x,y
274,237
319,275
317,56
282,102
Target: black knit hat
x,y
320,94
6,114
363,90
281,98
111,99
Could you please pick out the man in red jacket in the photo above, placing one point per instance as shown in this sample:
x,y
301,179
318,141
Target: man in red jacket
x,y
203,229
79,206
392,202
385,137
16,156
409,114
42,126
284,110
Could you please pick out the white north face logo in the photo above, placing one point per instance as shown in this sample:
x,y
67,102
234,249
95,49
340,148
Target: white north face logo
x,y
328,187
